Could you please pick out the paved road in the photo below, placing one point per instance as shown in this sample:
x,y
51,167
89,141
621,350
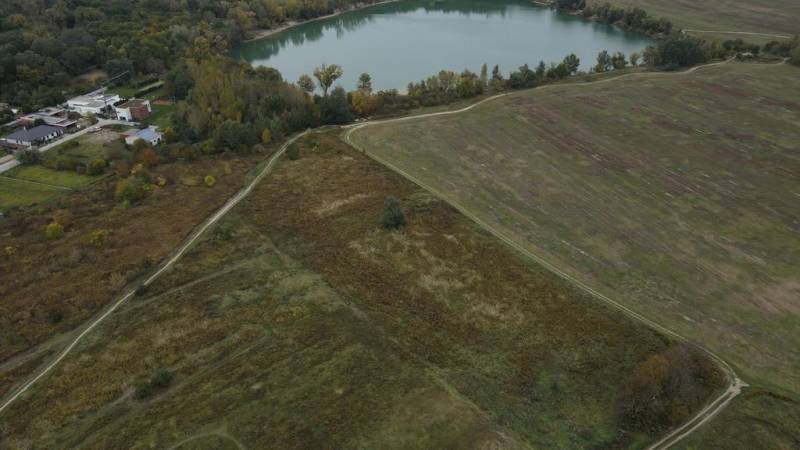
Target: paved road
x,y
199,231
735,384
101,123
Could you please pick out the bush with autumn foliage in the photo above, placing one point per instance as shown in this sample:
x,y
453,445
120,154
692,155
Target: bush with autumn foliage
x,y
666,388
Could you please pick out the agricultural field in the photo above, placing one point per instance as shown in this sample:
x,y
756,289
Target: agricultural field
x,y
300,321
776,17
676,194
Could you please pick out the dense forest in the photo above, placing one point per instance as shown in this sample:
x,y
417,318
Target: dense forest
x,y
45,45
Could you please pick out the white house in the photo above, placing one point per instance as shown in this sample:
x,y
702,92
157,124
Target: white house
x,y
149,135
33,136
94,103
133,109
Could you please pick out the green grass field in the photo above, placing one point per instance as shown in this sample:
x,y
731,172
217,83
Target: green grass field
x,y
676,194
300,322
755,16
59,178
14,192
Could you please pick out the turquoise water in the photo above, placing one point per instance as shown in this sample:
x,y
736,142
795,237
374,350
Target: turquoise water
x,y
411,39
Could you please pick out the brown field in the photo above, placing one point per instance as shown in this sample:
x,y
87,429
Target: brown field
x,y
301,322
756,16
48,288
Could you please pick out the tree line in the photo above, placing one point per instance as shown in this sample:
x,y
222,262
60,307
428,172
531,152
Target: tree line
x,y
46,45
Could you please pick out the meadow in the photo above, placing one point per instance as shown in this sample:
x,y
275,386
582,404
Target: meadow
x,y
673,193
300,321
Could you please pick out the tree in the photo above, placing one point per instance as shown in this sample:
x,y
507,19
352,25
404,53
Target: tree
x,y
393,216
266,136
210,180
129,190
497,78
635,56
572,63
364,103
306,83
618,61
28,156
327,75
603,62
293,152
484,77
365,83
231,135
148,158
120,70
335,109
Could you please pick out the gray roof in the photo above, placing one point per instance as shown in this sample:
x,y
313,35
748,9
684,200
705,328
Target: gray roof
x,y
33,134
148,134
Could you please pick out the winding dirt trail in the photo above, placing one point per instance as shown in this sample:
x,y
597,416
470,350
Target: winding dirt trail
x,y
199,231
735,384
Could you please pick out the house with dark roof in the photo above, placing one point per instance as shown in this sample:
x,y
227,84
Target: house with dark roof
x,y
28,137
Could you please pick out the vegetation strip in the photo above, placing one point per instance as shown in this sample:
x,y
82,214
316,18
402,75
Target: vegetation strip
x,y
188,243
713,408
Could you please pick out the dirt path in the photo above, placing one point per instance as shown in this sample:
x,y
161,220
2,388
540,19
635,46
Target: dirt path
x,y
744,33
735,383
213,219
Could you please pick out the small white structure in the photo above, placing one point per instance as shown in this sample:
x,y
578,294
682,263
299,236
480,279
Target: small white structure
x,y
33,136
134,110
149,135
94,103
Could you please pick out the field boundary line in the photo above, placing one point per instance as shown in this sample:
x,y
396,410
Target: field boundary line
x,y
714,406
23,180
193,237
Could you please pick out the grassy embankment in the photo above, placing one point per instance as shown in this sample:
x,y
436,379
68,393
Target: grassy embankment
x,y
677,194
301,322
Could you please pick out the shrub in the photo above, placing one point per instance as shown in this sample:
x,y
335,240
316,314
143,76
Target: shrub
x,y
393,217
141,290
54,231
160,381
99,238
55,316
665,388
96,166
28,156
129,190
122,169
148,157
293,152
266,136
209,180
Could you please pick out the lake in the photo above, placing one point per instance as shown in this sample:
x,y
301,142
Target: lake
x,y
410,40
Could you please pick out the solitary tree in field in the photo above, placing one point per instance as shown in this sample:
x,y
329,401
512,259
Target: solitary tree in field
x,y
306,84
326,75
365,83
393,217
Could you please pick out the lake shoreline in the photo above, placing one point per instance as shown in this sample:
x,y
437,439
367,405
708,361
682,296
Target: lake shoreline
x,y
263,34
